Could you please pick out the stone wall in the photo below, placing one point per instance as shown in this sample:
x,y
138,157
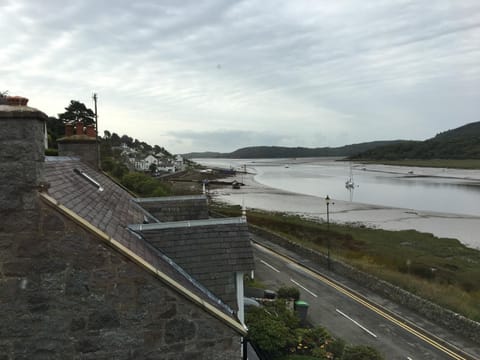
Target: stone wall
x,y
176,208
453,321
22,135
66,295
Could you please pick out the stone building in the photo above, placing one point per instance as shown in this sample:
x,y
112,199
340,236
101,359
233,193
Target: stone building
x,y
87,273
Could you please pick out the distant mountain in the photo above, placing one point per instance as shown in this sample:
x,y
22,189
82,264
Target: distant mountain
x,y
257,152
460,143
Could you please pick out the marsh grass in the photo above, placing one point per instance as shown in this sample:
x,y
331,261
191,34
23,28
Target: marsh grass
x,y
441,270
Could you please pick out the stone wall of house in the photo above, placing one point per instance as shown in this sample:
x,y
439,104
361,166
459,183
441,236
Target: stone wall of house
x,y
66,295
176,208
85,150
22,134
453,321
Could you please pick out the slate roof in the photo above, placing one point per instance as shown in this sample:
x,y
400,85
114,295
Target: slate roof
x,y
212,245
111,210
210,250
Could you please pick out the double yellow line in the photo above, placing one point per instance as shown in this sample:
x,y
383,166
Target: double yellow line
x,y
367,304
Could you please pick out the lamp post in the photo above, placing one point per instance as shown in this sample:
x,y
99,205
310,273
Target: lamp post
x,y
327,201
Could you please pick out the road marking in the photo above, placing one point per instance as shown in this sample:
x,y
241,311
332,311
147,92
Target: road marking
x,y
375,309
356,323
303,287
270,266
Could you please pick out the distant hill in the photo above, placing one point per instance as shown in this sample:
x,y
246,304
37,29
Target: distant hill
x,y
460,143
257,152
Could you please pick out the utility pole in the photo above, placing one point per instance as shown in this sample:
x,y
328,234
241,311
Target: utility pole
x,y
96,130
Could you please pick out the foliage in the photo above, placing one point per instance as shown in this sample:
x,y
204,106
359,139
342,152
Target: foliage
x,y
361,352
267,330
441,270
276,331
152,168
77,111
51,152
459,143
55,130
255,152
288,292
119,170
254,283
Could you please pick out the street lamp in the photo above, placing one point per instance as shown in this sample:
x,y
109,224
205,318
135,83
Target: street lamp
x,y
327,201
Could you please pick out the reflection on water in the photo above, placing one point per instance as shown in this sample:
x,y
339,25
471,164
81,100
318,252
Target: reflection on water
x,y
447,191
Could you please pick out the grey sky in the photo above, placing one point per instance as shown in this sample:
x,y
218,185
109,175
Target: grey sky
x,y
222,74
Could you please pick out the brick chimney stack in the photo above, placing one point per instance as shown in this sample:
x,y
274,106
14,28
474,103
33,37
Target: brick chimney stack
x,y
81,145
22,148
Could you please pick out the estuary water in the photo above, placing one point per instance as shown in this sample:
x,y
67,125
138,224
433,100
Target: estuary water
x,y
428,189
445,202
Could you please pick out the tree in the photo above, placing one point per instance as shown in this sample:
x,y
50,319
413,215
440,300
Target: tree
x,y
115,139
55,129
127,140
77,111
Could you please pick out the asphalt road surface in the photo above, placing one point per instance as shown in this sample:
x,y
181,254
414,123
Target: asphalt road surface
x,y
347,316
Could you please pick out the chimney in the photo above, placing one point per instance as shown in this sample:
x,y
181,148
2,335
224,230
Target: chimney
x,y
91,131
79,128
68,130
22,142
81,145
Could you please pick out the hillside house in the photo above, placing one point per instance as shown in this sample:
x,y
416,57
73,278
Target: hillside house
x,y
87,271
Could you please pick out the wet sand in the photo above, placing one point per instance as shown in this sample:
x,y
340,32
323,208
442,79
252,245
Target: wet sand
x,y
258,196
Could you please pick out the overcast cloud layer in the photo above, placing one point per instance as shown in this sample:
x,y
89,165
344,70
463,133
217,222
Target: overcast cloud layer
x,y
222,74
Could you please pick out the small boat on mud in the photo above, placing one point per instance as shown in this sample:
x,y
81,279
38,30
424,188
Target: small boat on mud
x,y
350,184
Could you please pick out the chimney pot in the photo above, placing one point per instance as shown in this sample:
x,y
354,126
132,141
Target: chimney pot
x,y
91,131
79,128
17,101
68,130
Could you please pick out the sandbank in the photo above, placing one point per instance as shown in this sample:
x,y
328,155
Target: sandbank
x,y
258,196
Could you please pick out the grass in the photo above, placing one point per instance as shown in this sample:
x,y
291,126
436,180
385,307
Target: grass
x,y
435,163
441,270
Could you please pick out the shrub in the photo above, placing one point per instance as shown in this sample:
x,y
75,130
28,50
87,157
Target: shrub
x,y
267,331
361,352
288,292
51,152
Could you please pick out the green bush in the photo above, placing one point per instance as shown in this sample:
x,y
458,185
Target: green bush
x,y
288,292
268,332
108,164
51,152
361,352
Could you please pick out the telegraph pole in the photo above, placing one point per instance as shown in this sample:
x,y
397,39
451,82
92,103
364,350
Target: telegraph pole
x,y
96,130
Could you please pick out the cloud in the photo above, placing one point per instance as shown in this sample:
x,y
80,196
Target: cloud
x,y
351,71
229,140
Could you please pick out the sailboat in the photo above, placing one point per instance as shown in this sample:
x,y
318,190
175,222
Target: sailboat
x,y
349,184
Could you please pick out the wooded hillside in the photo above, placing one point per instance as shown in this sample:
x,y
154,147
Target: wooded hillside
x,y
459,143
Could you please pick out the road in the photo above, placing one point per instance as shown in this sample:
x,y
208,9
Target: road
x,y
345,314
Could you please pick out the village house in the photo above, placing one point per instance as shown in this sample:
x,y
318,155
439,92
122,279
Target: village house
x,y
88,271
